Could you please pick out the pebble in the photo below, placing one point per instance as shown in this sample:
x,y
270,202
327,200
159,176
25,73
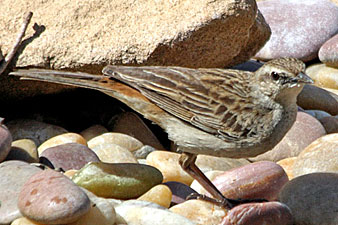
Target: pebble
x,y
19,154
200,212
330,123
70,173
113,153
259,180
62,139
318,114
287,165
131,124
167,163
39,132
328,53
93,131
303,132
250,65
272,213
105,209
323,75
159,194
293,28
179,191
52,198
143,152
118,180
320,156
312,198
5,141
27,147
70,156
312,97
13,176
94,216
24,221
125,141
135,212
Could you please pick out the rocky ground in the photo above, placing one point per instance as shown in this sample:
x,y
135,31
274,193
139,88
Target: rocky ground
x,y
76,156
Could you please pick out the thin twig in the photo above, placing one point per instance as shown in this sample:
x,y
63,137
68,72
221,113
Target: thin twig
x,y
11,54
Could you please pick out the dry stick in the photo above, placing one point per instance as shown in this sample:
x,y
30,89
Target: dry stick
x,y
11,54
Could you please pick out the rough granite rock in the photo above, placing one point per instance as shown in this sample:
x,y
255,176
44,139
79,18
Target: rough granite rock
x,y
88,35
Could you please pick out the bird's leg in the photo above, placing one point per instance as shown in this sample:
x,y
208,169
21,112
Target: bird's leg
x,y
187,162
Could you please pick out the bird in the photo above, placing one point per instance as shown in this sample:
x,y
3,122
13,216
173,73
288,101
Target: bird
x,y
213,111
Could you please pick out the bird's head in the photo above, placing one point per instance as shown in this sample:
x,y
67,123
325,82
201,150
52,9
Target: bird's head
x,y
282,79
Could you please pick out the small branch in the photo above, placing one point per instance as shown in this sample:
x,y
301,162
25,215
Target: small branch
x,y
11,54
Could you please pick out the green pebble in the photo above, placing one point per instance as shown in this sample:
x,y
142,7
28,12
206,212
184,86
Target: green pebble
x,y
118,180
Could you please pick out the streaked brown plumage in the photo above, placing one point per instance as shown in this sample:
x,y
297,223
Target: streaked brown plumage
x,y
219,112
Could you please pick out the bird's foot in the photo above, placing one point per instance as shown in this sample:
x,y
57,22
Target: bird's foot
x,y
226,202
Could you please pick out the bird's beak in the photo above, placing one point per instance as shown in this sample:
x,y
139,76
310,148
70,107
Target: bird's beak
x,y
303,78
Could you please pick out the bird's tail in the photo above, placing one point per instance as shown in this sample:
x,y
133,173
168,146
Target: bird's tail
x,y
122,92
77,79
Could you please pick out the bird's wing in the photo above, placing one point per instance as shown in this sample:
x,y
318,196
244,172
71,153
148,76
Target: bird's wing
x,y
217,101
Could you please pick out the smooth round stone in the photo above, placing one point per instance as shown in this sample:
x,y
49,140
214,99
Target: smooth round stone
x,y
330,123
94,216
27,147
102,212
312,198
20,154
318,114
13,176
179,191
272,213
167,163
130,123
250,65
70,173
135,212
5,142
52,198
39,132
24,221
105,210
70,156
111,201
93,131
113,153
319,156
160,194
312,97
125,141
211,175
208,163
119,180
328,53
323,75
143,152
259,180
62,139
200,212
287,165
294,23
303,132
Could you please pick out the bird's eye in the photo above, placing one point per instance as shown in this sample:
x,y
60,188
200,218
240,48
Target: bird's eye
x,y
274,75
